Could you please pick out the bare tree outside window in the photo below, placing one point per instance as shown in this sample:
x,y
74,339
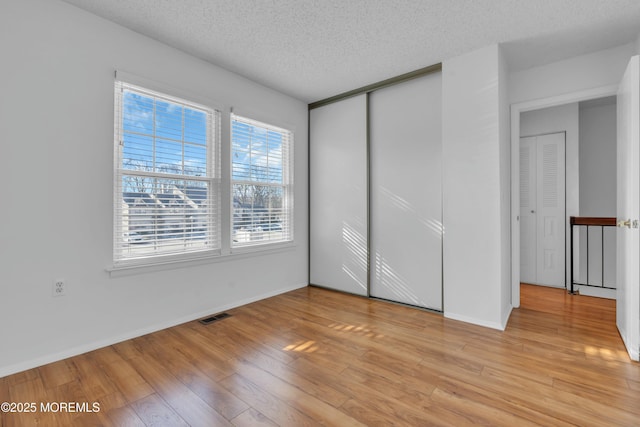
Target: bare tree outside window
x,y
167,175
261,183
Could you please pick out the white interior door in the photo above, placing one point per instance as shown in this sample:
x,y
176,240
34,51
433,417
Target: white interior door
x,y
406,192
528,201
551,210
542,209
628,209
338,196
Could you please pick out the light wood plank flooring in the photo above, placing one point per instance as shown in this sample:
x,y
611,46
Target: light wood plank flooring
x,y
317,357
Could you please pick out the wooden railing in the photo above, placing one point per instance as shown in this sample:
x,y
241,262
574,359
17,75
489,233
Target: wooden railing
x,y
587,222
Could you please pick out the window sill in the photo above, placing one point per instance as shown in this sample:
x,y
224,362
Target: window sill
x,y
181,261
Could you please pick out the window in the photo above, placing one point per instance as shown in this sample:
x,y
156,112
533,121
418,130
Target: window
x,y
261,183
166,175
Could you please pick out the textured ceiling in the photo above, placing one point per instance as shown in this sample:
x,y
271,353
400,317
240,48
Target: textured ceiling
x,y
313,49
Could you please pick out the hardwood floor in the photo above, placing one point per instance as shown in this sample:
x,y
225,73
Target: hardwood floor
x,y
317,357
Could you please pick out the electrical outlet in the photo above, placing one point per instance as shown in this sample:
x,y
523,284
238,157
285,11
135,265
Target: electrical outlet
x,y
59,288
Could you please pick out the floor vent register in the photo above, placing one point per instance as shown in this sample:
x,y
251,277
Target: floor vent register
x,y
214,318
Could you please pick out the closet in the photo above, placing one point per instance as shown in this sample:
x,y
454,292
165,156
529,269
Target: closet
x,y
376,193
542,209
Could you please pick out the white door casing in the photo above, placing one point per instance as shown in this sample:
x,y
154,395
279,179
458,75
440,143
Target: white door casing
x,y
628,209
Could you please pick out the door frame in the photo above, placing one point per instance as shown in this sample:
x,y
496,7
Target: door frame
x,y
516,110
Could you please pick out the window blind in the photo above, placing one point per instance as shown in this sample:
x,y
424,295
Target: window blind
x,y
167,175
262,183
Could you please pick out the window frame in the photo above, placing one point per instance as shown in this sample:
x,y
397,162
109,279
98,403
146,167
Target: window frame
x,y
213,239
287,187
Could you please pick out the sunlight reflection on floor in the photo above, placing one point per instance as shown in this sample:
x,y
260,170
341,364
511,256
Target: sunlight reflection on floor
x,y
302,347
604,353
361,330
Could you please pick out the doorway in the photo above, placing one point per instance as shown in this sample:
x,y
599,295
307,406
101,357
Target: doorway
x,y
516,112
590,175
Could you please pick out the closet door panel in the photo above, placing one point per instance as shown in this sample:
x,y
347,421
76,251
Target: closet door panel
x,y
528,200
406,192
551,210
338,195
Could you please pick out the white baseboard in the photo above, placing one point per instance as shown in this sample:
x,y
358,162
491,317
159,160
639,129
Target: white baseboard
x,y
596,292
632,350
480,322
505,318
50,358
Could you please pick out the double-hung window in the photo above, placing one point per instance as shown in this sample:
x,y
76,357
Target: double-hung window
x,y
167,176
262,193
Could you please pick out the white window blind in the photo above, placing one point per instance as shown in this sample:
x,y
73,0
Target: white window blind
x,y
167,175
262,183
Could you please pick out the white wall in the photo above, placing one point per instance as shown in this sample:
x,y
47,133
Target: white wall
x,y
505,189
583,72
564,118
56,136
472,190
598,160
598,190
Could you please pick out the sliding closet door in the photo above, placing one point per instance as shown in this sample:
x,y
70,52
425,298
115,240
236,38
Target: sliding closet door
x,y
406,192
338,193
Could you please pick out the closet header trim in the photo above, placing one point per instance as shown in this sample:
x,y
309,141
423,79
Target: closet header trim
x,y
379,85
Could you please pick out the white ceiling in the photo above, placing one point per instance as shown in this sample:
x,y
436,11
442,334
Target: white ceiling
x,y
314,49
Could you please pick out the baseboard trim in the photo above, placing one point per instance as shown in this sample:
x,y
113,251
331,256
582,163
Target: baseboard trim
x,y
75,351
479,322
591,291
505,318
634,353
